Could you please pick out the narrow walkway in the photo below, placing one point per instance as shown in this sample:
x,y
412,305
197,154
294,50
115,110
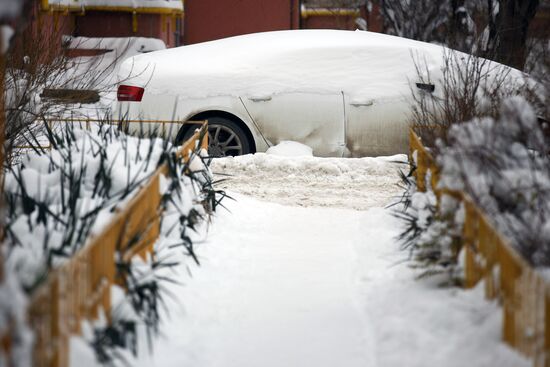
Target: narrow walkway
x,y
276,288
290,286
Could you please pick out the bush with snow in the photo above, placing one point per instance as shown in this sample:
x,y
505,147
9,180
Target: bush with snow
x,y
55,199
431,233
504,165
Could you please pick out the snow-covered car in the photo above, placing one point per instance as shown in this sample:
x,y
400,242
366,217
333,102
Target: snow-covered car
x,y
342,93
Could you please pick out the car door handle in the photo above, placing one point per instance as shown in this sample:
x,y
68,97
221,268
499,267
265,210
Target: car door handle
x,y
427,87
370,102
260,99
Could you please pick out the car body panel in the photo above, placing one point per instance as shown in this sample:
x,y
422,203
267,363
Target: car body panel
x,y
286,85
175,110
377,126
318,122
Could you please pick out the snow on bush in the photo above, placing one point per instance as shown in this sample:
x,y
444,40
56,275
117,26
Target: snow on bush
x,y
56,199
504,165
431,234
13,322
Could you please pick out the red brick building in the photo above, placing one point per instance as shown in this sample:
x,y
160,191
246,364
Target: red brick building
x,y
162,19
178,22
207,20
203,20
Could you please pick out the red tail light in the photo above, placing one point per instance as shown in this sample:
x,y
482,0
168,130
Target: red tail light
x,y
128,93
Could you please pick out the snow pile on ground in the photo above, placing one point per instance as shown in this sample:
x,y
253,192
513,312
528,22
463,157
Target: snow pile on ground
x,y
355,183
290,149
417,323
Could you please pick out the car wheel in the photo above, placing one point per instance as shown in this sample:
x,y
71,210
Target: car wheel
x,y
225,138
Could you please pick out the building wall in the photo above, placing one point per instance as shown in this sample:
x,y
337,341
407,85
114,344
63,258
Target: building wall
x,y
120,24
43,32
329,22
374,18
207,20
540,26
341,18
107,24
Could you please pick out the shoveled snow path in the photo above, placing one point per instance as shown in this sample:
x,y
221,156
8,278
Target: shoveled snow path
x,y
295,286
275,289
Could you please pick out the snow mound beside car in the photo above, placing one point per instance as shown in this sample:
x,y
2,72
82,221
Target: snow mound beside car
x,y
289,148
350,183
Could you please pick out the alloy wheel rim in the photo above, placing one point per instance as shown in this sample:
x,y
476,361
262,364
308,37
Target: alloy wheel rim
x,y
223,142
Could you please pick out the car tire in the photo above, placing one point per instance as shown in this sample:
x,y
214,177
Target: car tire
x,y
225,138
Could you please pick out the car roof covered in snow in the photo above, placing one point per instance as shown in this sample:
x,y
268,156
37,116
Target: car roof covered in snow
x,y
309,61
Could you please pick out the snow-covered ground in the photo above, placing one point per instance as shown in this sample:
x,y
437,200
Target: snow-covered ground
x,y
354,183
303,269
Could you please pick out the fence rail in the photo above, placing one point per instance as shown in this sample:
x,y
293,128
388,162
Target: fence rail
x,y
162,127
81,288
508,277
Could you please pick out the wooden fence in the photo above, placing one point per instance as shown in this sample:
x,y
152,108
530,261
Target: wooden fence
x,y
489,256
80,288
162,128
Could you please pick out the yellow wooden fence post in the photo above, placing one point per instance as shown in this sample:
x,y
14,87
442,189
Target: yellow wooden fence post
x,y
546,352
470,235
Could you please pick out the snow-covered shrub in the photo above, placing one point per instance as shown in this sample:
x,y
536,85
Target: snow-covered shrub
x,y
431,232
13,322
503,163
55,199
466,87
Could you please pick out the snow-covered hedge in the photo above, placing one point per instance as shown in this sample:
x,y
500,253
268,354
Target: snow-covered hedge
x,y
56,199
504,165
431,233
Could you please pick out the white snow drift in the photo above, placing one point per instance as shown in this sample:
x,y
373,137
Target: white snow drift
x,y
311,286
